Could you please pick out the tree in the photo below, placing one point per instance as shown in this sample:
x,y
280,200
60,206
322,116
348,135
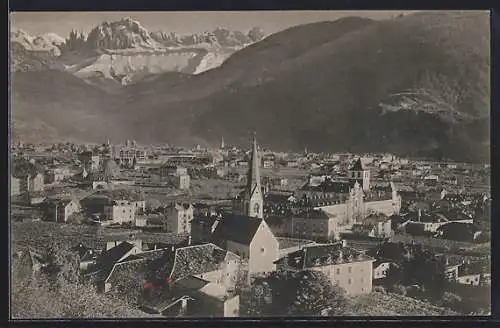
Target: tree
x,y
304,293
60,265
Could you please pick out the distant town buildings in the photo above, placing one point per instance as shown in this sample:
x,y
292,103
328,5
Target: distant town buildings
x,y
179,218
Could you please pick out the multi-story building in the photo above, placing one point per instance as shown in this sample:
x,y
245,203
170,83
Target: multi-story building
x,y
179,217
172,170
120,211
129,155
60,210
21,183
91,162
176,175
344,266
315,224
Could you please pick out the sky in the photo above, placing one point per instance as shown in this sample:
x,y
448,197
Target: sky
x,y
62,23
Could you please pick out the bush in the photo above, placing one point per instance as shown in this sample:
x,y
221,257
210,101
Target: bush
x,y
399,289
450,300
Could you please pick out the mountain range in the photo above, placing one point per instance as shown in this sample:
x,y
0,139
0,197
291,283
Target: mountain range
x,y
416,85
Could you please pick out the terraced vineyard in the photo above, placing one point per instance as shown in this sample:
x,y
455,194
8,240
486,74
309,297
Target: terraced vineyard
x,y
382,304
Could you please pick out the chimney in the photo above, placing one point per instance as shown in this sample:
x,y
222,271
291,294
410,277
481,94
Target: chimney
x,y
190,240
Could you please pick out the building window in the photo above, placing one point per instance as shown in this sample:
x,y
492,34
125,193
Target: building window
x,y
349,281
349,269
338,270
262,249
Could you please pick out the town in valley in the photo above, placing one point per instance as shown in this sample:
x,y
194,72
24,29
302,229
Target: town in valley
x,y
246,231
249,164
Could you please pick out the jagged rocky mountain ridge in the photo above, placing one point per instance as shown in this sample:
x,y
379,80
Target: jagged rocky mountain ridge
x,y
124,51
416,85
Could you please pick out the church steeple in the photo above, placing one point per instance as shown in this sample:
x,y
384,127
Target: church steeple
x,y
254,199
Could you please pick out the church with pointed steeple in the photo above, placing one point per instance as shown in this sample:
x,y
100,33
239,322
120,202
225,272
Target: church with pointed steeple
x,y
251,201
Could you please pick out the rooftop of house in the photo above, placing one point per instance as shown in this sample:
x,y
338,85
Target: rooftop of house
x,y
329,186
285,243
275,197
458,227
60,202
425,217
322,255
215,290
116,253
198,259
237,228
476,267
313,215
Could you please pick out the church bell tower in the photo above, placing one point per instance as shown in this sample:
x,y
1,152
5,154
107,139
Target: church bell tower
x,y
254,200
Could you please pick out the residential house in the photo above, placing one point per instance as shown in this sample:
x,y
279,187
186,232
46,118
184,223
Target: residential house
x,y
268,161
199,273
313,224
60,210
249,237
345,267
179,217
120,211
91,162
157,221
475,273
374,225
176,175
459,231
26,177
381,269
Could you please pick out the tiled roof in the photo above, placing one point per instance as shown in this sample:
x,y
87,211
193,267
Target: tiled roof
x,y
237,228
291,242
193,260
324,254
329,186
476,267
115,254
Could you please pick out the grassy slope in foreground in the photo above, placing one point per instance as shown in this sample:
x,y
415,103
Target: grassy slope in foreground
x,y
390,304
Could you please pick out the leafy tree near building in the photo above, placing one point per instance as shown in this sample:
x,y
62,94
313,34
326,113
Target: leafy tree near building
x,y
305,293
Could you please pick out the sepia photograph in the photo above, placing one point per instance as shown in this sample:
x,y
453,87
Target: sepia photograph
x,y
249,164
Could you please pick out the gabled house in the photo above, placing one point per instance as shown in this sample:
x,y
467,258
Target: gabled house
x,y
345,267
60,210
120,211
179,218
374,225
382,268
459,231
249,237
165,280
26,177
